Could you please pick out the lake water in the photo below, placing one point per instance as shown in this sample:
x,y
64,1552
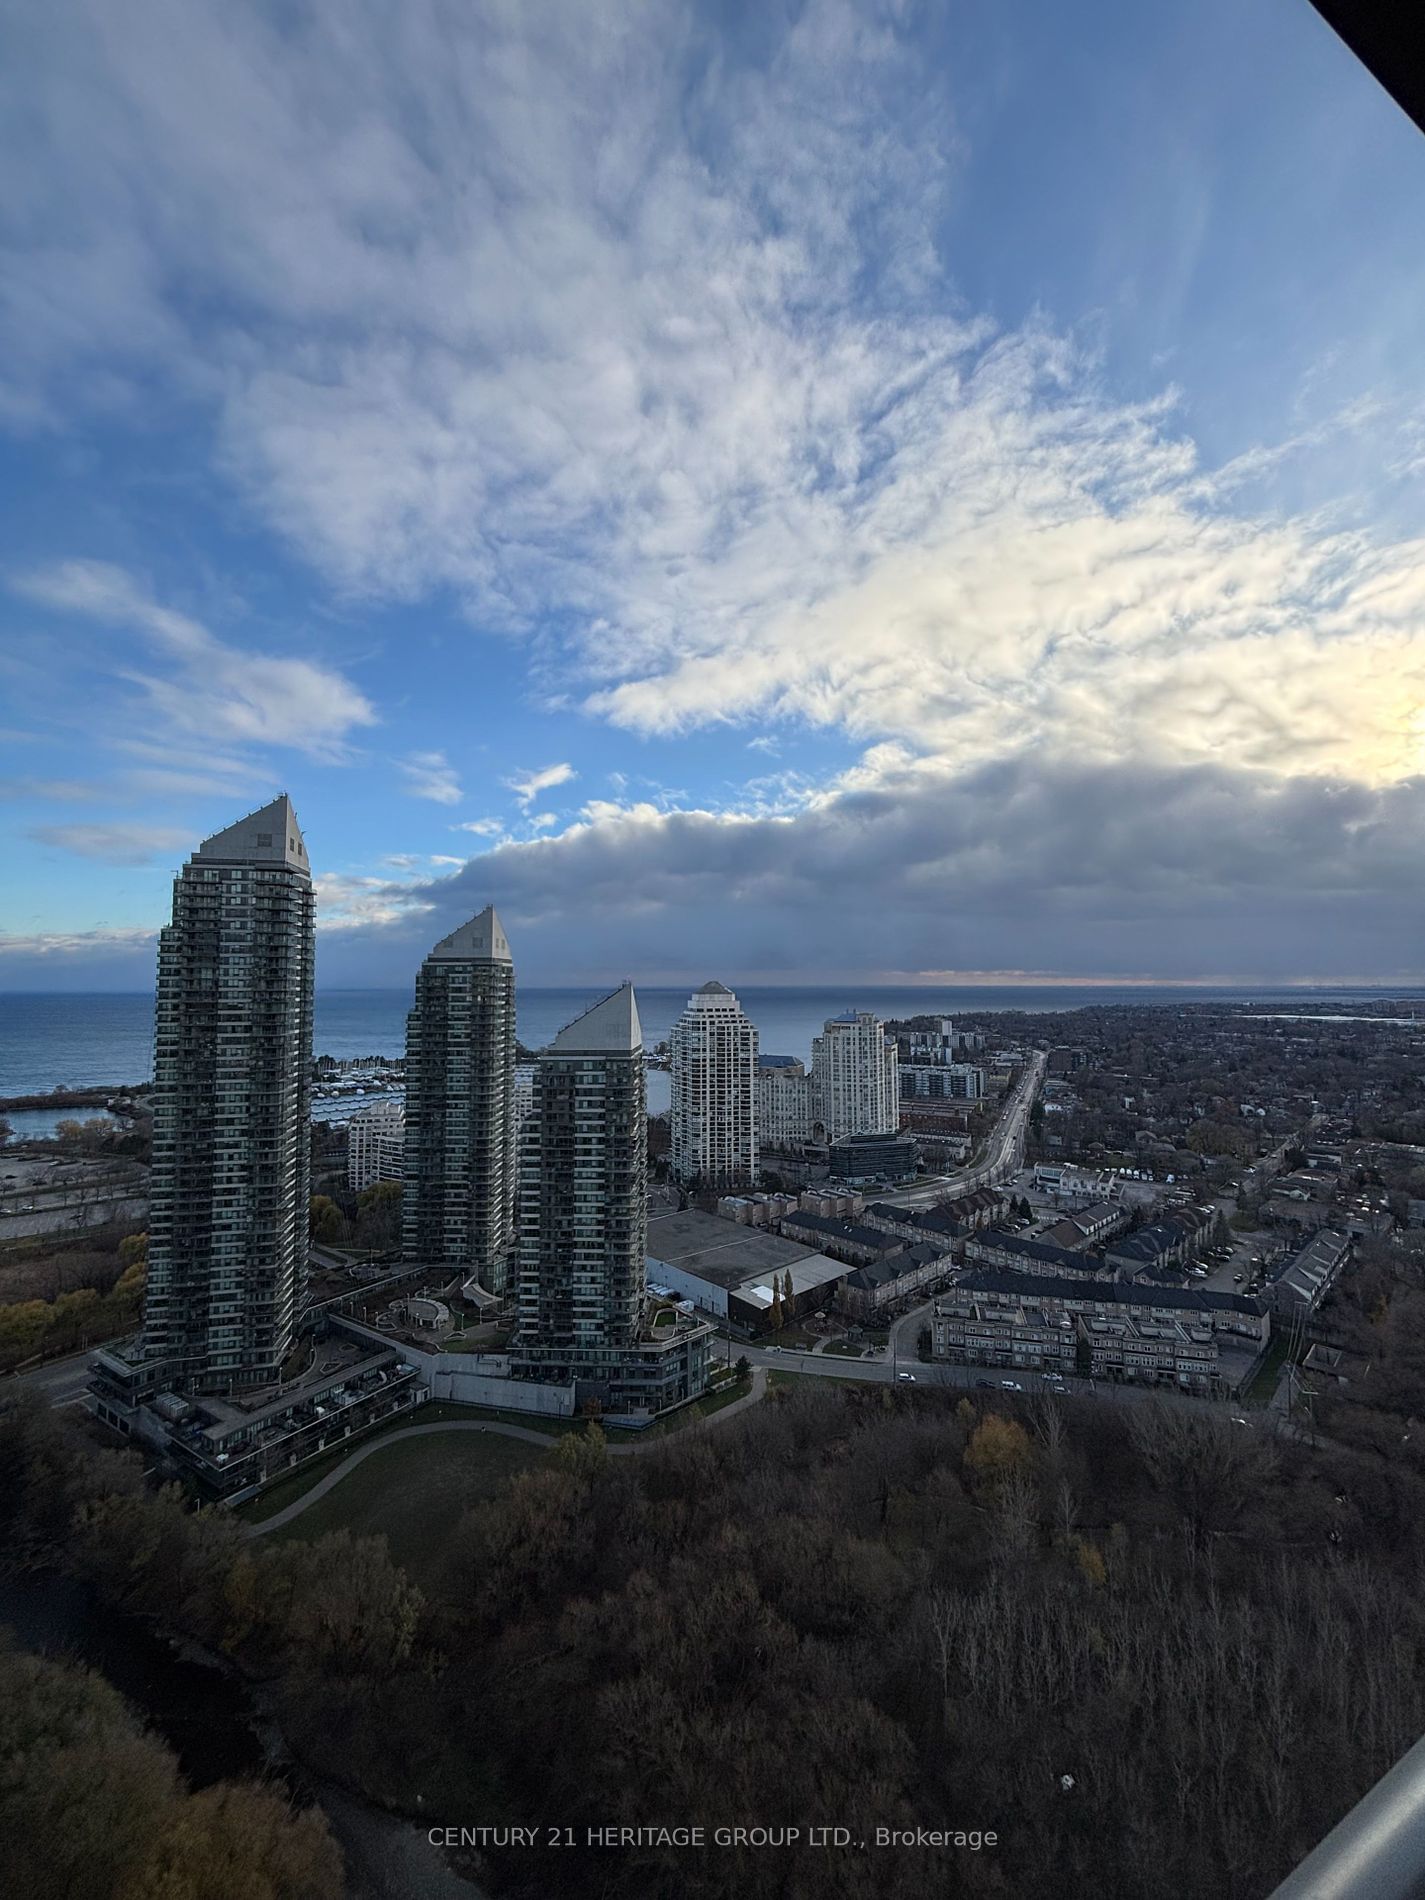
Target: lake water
x,y
91,1041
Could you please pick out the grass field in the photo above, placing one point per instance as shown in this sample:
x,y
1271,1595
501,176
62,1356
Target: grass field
x,y
1263,1383
287,1490
413,1491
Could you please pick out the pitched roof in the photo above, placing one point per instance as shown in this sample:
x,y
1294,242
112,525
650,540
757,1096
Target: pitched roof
x,y
268,836
610,1027
481,940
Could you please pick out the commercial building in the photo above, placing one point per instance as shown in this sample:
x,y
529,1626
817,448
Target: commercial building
x,y
854,1078
884,1157
783,1102
713,1047
583,1312
458,1203
375,1145
735,1272
1076,1187
230,1186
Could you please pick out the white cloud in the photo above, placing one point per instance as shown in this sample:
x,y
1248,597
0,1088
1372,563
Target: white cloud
x,y
615,324
527,786
481,827
213,691
352,901
432,776
116,844
73,946
542,820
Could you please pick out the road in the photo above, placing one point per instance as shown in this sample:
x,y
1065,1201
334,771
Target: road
x,y
895,1364
72,1214
1004,1150
628,1448
62,1382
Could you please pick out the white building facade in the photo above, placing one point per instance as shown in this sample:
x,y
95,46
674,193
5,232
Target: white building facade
x,y
783,1102
942,1082
375,1145
714,1109
855,1077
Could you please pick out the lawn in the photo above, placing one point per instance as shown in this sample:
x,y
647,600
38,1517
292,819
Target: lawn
x,y
1263,1382
411,1492
847,1349
777,1380
287,1490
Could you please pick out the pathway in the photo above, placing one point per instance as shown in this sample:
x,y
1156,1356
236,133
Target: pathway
x,y
524,1433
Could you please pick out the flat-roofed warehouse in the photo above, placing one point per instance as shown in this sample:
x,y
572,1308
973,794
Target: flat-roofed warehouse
x,y
728,1269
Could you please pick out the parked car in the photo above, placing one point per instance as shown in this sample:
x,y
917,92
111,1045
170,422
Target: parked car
x,y
906,1375
1010,1385
985,1385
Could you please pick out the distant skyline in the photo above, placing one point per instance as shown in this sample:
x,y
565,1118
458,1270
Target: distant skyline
x,y
797,494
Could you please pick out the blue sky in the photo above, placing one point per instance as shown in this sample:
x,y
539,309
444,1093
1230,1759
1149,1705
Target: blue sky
x,y
802,492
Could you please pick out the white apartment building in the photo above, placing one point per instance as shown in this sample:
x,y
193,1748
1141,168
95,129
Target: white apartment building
x,y
935,1045
375,1145
714,1107
941,1081
783,1102
855,1077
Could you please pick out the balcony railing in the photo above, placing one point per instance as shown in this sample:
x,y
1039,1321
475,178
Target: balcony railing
x,y
1377,1851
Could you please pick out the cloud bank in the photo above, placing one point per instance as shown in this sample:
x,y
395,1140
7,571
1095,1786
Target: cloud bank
x,y
644,346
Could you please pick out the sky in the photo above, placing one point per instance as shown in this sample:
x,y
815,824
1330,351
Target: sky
x,y
790,492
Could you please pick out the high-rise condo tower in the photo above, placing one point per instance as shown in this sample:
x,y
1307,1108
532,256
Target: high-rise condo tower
x,y
228,1202
457,1207
714,1110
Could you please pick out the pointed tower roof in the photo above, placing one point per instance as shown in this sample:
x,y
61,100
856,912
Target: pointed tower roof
x,y
611,1027
482,940
269,836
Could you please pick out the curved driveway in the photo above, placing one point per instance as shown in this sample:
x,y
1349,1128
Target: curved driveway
x,y
546,1440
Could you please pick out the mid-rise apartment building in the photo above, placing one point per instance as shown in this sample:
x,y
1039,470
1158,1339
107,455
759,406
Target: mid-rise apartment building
x,y
941,1082
375,1145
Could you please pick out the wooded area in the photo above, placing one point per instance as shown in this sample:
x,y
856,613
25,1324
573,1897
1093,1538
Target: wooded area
x,y
859,1608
